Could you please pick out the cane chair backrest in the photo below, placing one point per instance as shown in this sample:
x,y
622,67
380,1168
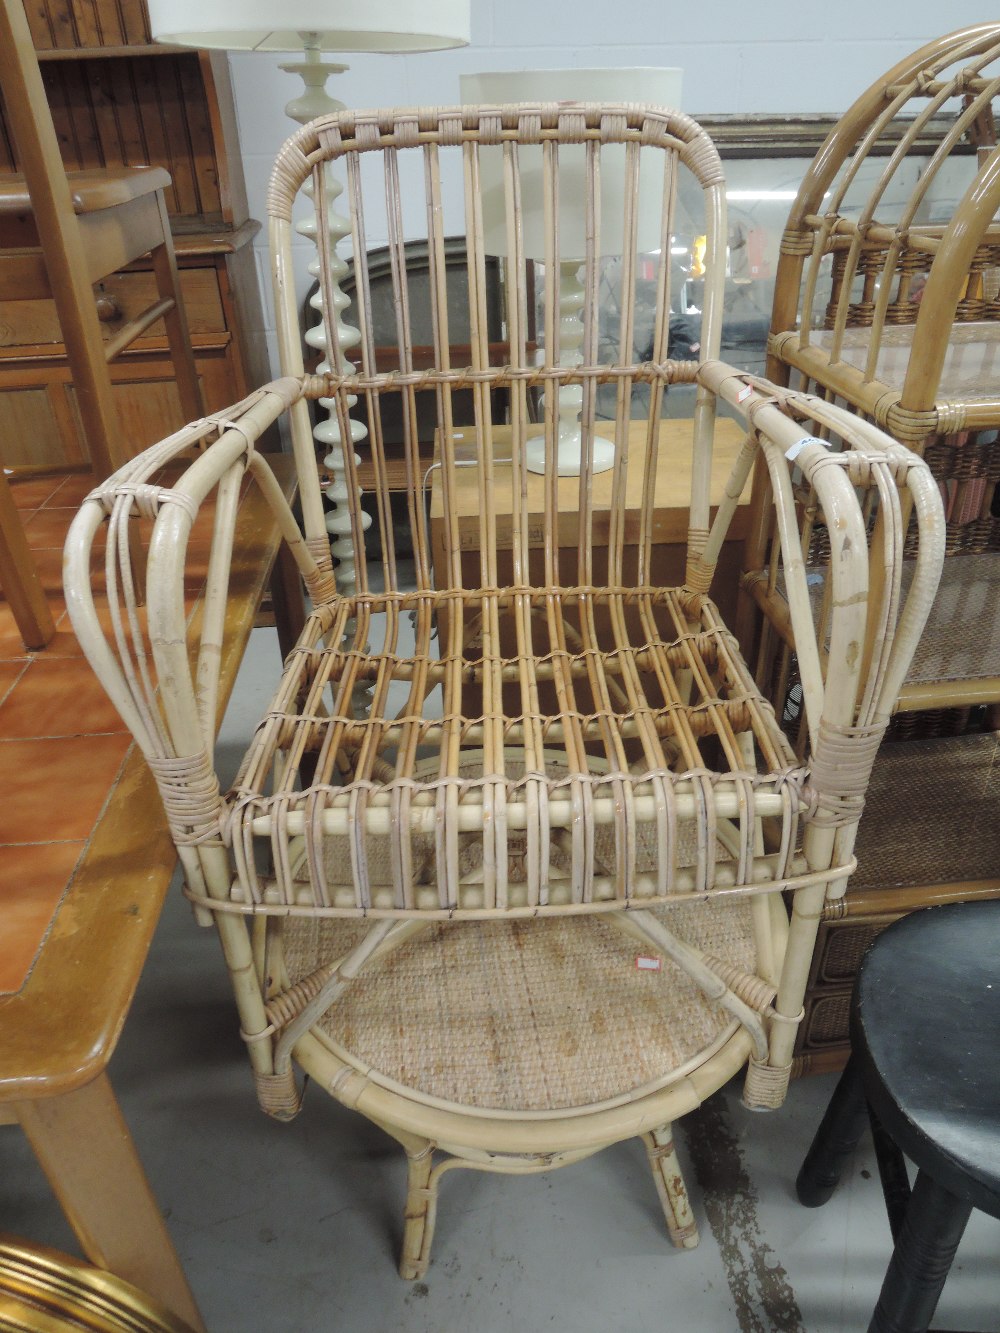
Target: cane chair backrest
x,y
432,152
889,277
394,421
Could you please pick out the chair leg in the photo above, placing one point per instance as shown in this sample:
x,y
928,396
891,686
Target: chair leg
x,y
178,334
420,1214
842,1125
893,1176
920,1262
670,1186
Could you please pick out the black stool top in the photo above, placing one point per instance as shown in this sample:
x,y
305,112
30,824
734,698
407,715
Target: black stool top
x,y
926,1032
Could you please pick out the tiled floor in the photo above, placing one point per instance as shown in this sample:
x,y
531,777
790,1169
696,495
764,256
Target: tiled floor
x,y
295,1228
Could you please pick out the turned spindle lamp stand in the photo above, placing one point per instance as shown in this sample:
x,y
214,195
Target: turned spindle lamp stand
x,y
313,27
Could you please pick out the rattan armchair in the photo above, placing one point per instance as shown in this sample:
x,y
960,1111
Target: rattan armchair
x,y
887,301
530,898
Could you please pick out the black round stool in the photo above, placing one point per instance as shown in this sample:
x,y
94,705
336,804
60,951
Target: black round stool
x,y
925,1070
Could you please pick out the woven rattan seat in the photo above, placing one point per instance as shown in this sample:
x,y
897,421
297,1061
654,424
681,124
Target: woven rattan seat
x,y
651,725
437,1018
503,866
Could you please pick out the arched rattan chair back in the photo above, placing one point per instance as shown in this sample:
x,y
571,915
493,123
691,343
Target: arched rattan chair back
x,y
431,172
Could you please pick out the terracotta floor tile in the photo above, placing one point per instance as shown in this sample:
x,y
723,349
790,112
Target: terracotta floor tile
x,y
73,490
57,696
64,642
11,644
54,790
49,526
32,881
48,562
9,672
34,491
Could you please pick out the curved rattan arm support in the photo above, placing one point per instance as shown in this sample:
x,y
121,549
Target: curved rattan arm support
x,y
171,710
870,645
911,474
778,433
169,706
946,285
870,458
919,67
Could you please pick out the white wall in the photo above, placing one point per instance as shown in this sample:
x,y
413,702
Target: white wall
x,y
736,57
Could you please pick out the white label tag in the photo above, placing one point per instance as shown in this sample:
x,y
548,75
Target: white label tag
x,y
647,964
744,393
793,453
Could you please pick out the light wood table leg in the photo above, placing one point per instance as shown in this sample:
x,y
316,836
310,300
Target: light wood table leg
x,y
287,601
19,577
168,285
84,1147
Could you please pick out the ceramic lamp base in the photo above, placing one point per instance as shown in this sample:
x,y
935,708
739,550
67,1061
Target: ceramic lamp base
x,y
569,454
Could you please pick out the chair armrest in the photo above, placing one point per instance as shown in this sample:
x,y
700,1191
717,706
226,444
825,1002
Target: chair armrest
x,y
159,664
869,488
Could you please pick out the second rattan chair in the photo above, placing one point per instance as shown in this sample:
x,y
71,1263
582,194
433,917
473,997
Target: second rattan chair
x,y
887,300
506,863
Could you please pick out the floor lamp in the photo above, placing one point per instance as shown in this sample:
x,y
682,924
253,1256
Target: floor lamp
x,y
656,87
313,27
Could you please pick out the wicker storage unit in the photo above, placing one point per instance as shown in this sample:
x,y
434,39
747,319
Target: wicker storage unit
x,y
886,302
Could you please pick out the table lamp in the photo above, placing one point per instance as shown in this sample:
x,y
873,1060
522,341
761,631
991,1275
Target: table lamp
x,y
656,87
312,27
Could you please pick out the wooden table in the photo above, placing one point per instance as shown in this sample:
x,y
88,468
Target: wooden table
x,y
670,517
78,908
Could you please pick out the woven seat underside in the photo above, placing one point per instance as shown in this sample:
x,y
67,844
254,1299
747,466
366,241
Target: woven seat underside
x,y
510,725
526,1017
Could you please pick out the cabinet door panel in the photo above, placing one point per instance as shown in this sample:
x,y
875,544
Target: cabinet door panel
x,y
39,424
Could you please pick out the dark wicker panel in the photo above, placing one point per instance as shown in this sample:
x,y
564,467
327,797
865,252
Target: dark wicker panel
x,y
827,1021
929,816
841,948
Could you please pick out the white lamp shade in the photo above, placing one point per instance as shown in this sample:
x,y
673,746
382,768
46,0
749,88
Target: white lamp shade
x,y
335,25
655,87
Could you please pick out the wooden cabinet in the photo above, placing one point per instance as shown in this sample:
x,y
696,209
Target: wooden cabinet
x,y
117,99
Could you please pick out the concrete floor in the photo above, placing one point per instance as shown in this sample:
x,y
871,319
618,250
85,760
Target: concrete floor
x,y
289,1228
